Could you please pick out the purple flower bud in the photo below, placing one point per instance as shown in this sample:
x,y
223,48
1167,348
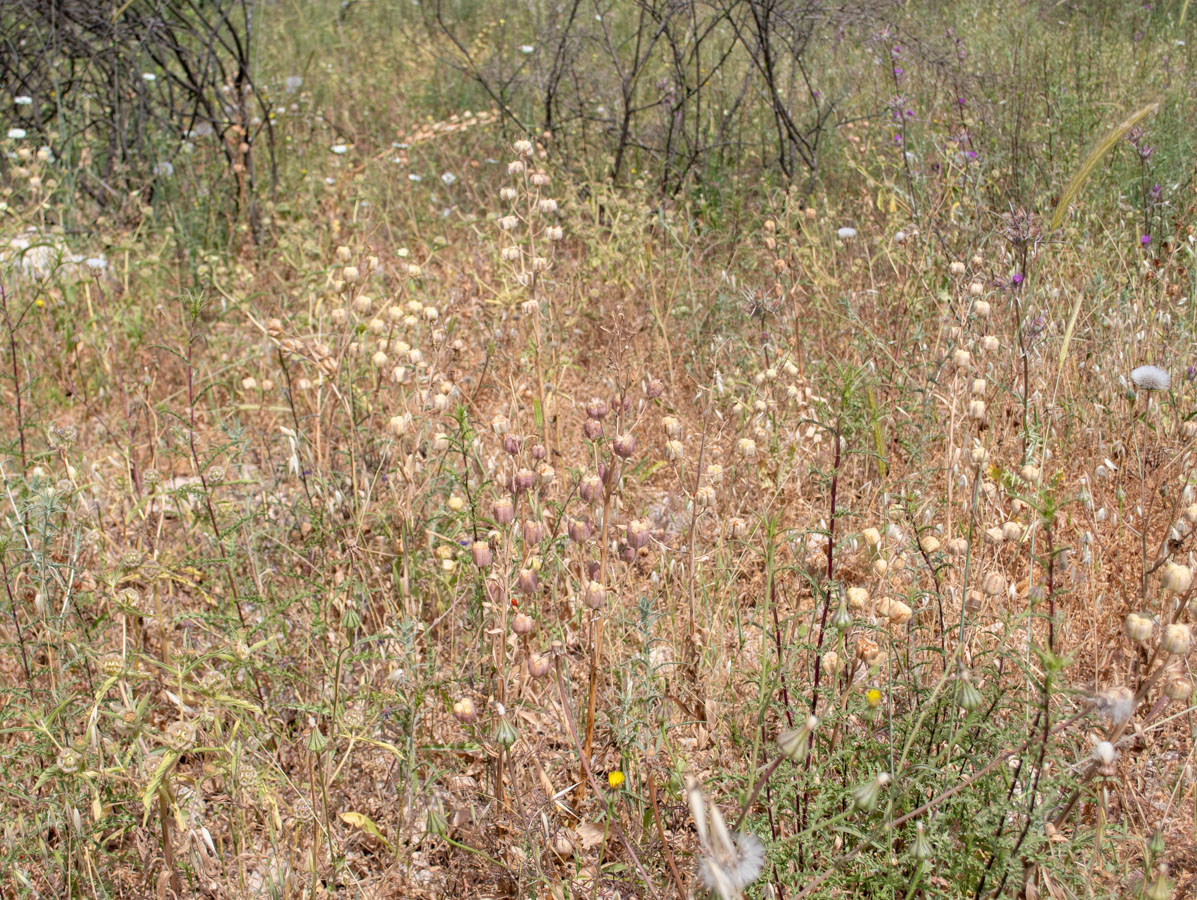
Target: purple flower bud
x,y
533,532
539,451
1017,279
624,445
481,553
511,444
590,488
594,595
579,531
504,511
527,581
596,408
524,480
593,429
638,534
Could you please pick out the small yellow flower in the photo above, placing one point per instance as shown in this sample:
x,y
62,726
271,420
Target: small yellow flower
x,y
615,779
39,302
873,696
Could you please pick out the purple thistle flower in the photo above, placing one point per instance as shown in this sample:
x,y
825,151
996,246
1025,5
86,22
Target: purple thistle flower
x,y
897,139
897,71
1017,279
1145,240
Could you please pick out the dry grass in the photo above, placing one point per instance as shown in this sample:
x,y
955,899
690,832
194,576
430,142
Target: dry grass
x,y
416,555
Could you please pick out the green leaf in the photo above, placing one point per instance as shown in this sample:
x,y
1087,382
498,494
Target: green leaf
x,y
169,758
363,823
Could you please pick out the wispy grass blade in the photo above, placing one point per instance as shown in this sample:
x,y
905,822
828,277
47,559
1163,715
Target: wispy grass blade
x,y
1082,174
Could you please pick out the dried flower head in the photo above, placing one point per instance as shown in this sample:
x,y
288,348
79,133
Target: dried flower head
x,y
1177,578
1138,628
464,711
1176,639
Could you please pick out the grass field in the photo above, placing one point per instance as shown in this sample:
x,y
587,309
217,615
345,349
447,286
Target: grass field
x,y
607,450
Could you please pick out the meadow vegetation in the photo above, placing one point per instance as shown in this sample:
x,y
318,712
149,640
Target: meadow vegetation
x,y
598,449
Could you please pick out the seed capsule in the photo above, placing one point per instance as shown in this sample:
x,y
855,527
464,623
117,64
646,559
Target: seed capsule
x,y
1176,639
1138,628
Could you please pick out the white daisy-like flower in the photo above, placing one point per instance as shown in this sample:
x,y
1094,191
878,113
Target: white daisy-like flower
x,y
1151,378
164,169
414,177
23,100
527,48
16,134
292,83
448,178
149,76
846,233
339,149
728,862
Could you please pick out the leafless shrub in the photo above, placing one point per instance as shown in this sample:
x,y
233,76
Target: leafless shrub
x,y
120,90
682,84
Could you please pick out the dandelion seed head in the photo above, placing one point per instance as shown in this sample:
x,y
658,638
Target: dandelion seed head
x,y
1117,704
729,876
1151,378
